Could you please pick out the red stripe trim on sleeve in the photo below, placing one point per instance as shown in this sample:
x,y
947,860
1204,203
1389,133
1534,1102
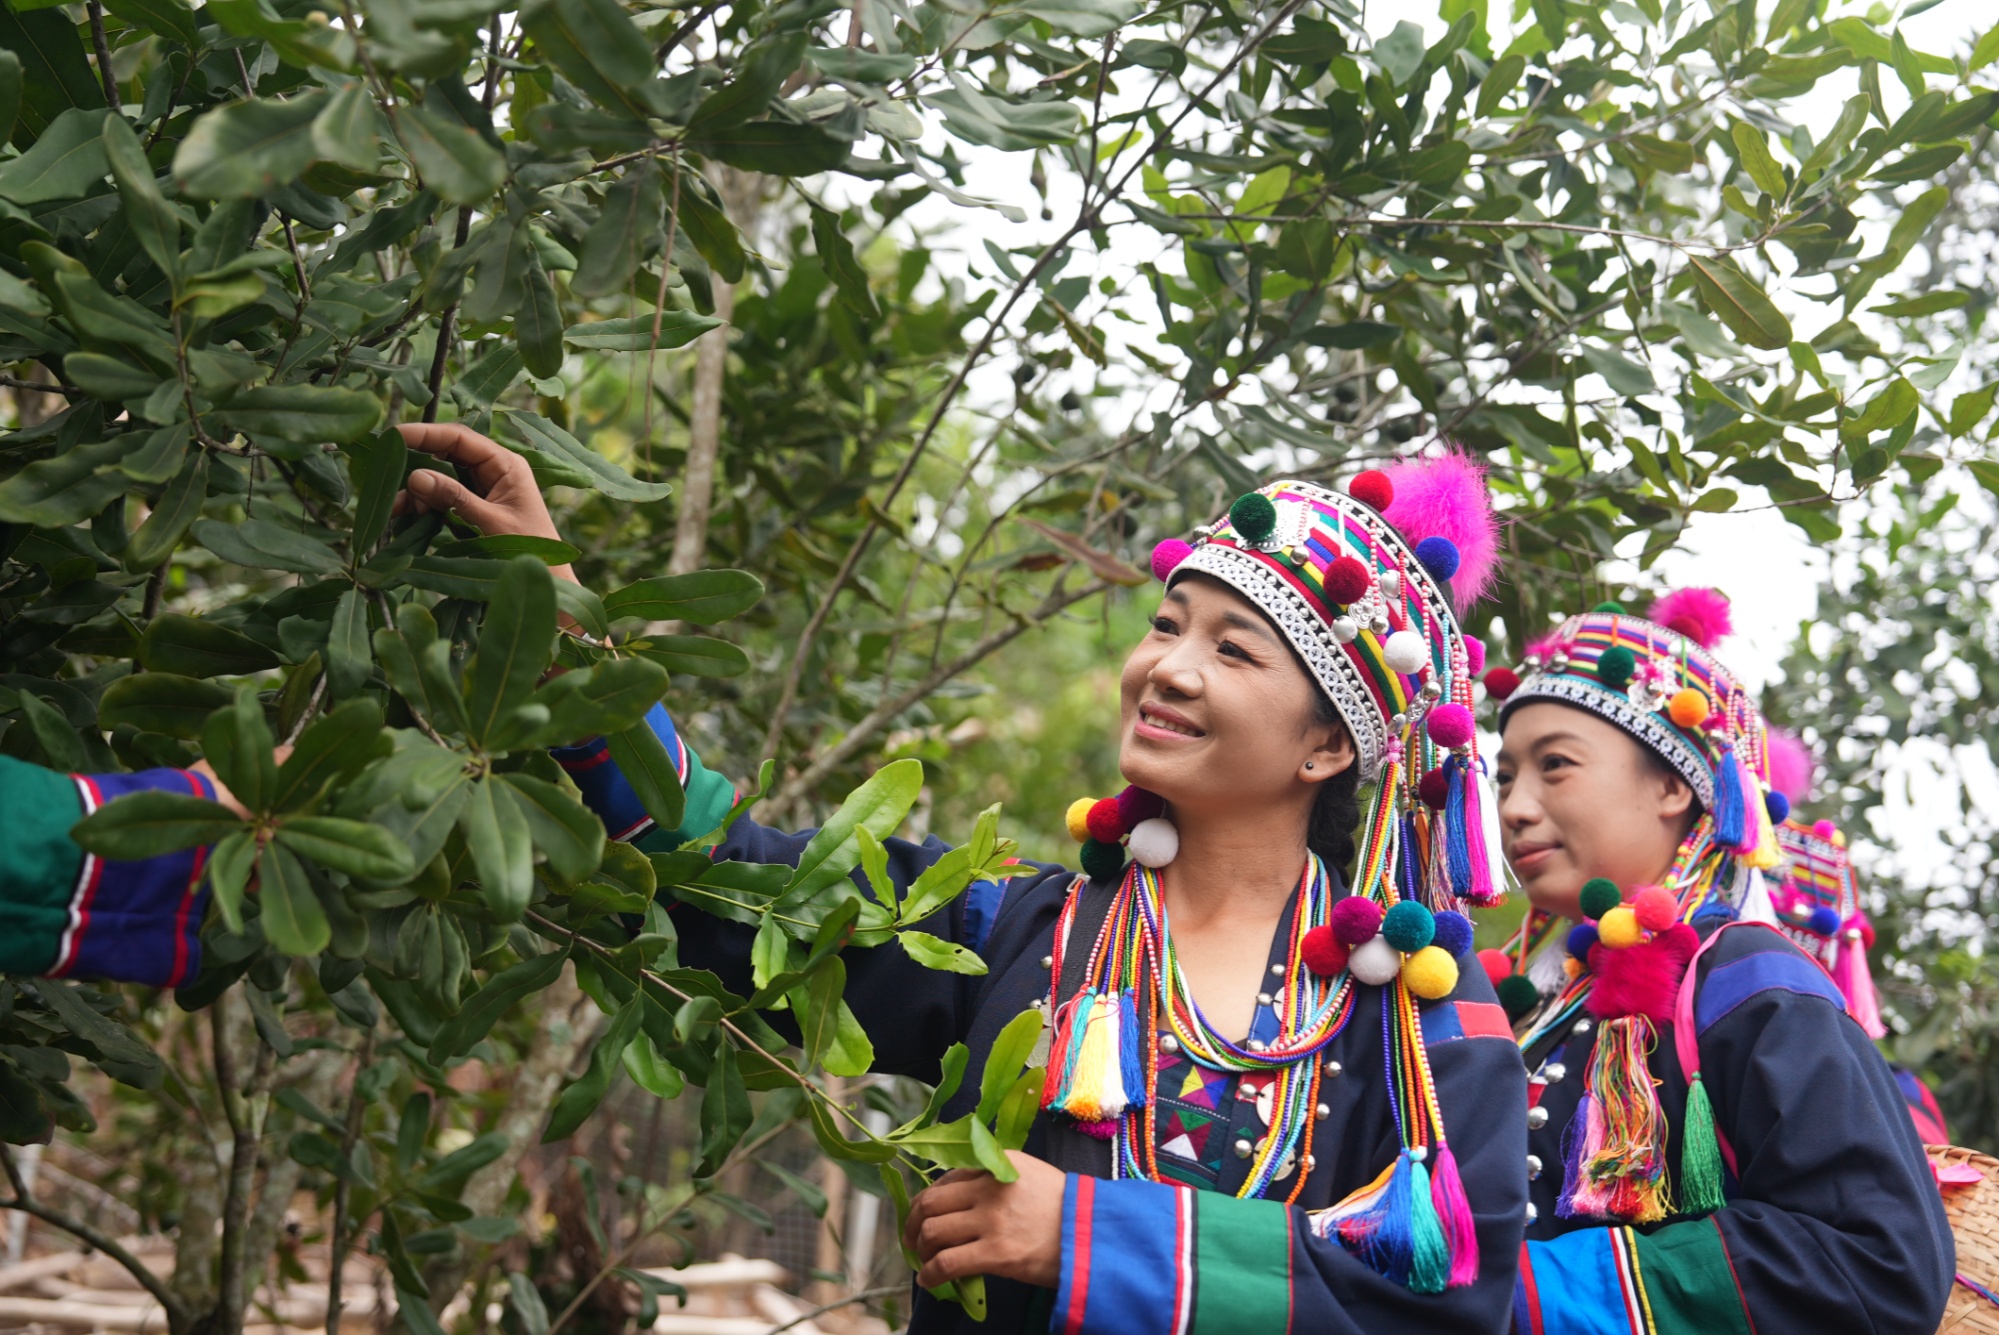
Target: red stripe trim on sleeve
x,y
1079,1277
587,762
1531,1290
87,878
1483,1019
1741,1298
198,866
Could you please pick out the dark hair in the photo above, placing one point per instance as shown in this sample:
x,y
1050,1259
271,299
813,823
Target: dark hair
x,y
1336,810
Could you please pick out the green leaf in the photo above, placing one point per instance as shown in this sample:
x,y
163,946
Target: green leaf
x,y
179,505
55,73
626,231
635,333
1718,500
237,743
852,65
336,745
484,1008
73,486
1986,472
306,414
1754,148
607,698
166,18
1004,1060
764,68
294,921
597,47
1017,1111
124,1055
1930,303
146,210
935,953
454,162
538,323
543,437
152,822
349,131
248,149
161,702
258,544
642,758
725,1112
1618,371
496,833
60,744
64,163
837,254
1501,79
703,597
515,645
810,1196
1986,51
1968,410
880,803
1739,303
777,148
695,655
193,647
569,834
161,457
10,92
713,235
581,1097
377,464
361,850
230,867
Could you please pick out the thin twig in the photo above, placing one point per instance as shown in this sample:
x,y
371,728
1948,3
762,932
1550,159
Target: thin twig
x,y
178,1316
311,708
102,47
155,587
680,34
340,1239
67,391
864,1296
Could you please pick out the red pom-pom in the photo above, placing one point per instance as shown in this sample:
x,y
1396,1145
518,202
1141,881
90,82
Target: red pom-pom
x,y
1106,824
1355,920
1655,908
1452,725
1434,788
1501,682
1642,979
1496,963
1135,804
1346,581
1372,488
1322,952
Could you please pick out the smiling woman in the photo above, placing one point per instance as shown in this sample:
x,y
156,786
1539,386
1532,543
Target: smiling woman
x,y
1231,1008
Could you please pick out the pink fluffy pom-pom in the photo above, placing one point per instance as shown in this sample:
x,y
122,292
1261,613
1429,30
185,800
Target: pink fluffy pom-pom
x,y
1642,979
1475,655
1444,496
1098,1130
1702,615
1452,725
1167,555
1791,766
1544,648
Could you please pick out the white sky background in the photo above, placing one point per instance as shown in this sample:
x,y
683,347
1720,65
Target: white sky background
x,y
1767,566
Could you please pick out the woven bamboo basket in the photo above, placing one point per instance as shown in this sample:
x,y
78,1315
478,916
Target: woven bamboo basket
x,y
1974,1223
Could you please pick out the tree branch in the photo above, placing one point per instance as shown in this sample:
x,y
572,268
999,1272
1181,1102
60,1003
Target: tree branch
x,y
178,1316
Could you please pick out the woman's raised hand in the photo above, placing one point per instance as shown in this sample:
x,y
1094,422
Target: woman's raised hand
x,y
969,1223
503,497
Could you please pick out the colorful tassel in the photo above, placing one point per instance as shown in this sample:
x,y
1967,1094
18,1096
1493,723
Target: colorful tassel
x,y
1383,1234
1732,828
1071,1020
1700,1155
1447,1194
1457,851
1620,1171
1856,980
1131,1060
1429,1248
1096,1089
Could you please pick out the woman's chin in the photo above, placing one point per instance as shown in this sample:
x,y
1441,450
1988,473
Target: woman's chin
x,y
1143,767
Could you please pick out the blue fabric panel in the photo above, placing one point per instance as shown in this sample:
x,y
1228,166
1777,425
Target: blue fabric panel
x,y
1576,1279
1729,985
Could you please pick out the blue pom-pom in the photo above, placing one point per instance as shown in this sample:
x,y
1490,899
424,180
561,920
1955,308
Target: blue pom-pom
x,y
1439,556
1581,937
1823,922
1453,932
1408,926
1778,805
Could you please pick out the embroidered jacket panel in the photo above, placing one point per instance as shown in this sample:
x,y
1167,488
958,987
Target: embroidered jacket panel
x,y
1833,1220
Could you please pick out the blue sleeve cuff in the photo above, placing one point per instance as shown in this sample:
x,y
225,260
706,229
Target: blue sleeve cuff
x,y
137,922
604,787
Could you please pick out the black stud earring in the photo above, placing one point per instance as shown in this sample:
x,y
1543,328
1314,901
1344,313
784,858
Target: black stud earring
x,y
1308,764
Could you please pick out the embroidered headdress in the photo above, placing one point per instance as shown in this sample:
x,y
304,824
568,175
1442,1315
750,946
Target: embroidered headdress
x,y
1657,678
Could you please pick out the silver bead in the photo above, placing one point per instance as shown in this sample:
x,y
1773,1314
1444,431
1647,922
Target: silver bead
x,y
1532,1213
1323,1111
1256,1045
1433,689
1047,961
1536,1118
1379,625
1169,1044
1559,663
1310,1163
1533,1167
1582,1026
1263,999
1399,722
1333,1070
1276,971
1243,1149
1554,1073
1391,583
1345,629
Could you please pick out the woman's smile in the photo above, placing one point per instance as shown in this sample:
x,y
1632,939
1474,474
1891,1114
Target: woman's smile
x,y
1160,723
1528,857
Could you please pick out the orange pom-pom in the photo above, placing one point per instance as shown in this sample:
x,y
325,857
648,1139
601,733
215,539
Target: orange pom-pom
x,y
1572,966
1688,708
1654,908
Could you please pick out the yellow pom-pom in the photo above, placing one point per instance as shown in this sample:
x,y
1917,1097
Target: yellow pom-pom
x,y
1077,818
1688,708
1619,928
1572,967
1839,838
1430,973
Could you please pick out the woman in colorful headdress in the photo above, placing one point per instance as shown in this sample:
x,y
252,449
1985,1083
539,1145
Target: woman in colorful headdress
x,y
1715,1144
1245,1118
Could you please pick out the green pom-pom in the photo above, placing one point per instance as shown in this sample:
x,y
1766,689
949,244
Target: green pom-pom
x,y
1101,860
1600,896
1253,517
1615,666
1518,995
1609,608
1408,926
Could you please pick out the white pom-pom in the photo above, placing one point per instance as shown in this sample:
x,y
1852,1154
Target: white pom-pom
x,y
1155,842
1344,629
1405,652
1375,962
